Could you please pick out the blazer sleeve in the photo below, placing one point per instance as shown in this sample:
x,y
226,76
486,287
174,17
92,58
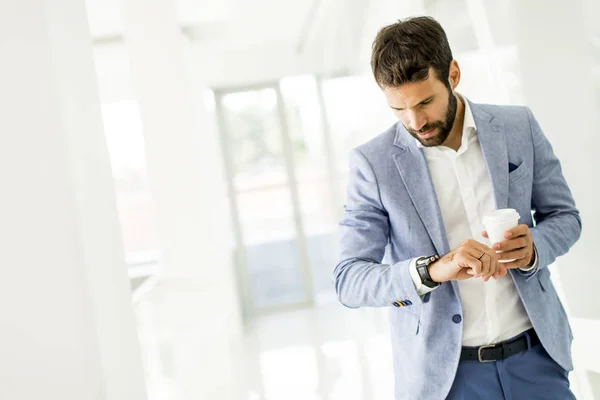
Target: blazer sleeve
x,y
360,278
558,224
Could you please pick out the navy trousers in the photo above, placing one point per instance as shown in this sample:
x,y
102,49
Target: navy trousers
x,y
529,375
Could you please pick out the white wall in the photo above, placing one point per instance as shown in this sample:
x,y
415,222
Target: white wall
x,y
557,82
558,86
67,329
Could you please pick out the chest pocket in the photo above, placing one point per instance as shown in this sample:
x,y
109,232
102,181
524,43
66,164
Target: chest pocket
x,y
519,189
518,173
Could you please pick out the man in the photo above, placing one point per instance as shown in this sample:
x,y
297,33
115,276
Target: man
x,y
464,325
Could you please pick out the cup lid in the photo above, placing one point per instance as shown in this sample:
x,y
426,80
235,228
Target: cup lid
x,y
501,215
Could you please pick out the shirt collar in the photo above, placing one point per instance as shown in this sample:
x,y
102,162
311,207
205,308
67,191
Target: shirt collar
x,y
469,127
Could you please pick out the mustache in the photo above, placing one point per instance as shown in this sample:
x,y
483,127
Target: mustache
x,y
428,127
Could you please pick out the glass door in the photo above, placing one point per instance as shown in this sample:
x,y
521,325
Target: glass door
x,y
272,259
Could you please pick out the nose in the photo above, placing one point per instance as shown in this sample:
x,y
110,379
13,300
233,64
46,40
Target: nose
x,y
416,120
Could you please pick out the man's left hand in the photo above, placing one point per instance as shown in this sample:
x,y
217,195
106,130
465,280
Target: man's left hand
x,y
518,246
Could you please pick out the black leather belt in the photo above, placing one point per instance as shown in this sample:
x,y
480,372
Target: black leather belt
x,y
499,351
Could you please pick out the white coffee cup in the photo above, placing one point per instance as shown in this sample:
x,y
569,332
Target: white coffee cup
x,y
498,222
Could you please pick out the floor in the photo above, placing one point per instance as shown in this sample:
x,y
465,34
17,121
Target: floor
x,y
194,348
324,353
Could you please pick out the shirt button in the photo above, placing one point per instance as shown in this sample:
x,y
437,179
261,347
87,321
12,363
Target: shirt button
x,y
457,318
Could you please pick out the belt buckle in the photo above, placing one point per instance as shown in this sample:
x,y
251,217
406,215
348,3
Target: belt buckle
x,y
488,346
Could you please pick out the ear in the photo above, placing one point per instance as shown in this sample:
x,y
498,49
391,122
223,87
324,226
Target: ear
x,y
454,75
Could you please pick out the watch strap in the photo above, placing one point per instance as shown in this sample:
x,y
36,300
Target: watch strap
x,y
423,270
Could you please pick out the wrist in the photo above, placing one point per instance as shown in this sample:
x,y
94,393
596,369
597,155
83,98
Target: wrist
x,y
432,269
532,261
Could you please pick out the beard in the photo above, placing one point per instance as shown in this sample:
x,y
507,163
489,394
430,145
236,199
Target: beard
x,y
443,127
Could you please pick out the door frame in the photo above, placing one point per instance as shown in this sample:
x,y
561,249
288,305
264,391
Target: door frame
x,y
244,284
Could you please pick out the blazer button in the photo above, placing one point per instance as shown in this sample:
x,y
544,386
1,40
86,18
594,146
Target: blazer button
x,y
457,318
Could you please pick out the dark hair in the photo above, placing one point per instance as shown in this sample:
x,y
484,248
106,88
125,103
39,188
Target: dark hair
x,y
404,51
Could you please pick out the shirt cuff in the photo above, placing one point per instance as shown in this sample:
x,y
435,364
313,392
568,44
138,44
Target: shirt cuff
x,y
535,262
422,290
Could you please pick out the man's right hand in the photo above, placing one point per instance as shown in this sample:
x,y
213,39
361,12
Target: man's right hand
x,y
470,259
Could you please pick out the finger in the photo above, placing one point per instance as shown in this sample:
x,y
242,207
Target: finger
x,y
464,274
490,274
492,260
489,260
485,255
511,244
485,265
467,260
501,271
485,234
517,231
494,268
519,254
497,264
475,254
514,264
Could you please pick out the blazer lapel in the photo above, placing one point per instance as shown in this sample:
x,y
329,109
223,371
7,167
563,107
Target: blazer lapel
x,y
492,138
414,171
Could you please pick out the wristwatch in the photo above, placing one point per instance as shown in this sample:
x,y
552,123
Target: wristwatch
x,y
423,270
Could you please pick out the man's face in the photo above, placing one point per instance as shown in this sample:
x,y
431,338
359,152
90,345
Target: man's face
x,y
427,109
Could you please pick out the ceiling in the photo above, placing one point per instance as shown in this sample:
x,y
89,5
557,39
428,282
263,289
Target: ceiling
x,y
244,21
257,40
254,40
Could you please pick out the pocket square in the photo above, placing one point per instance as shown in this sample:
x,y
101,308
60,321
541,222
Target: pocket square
x,y
512,167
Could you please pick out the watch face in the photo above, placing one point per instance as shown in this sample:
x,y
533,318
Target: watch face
x,y
425,260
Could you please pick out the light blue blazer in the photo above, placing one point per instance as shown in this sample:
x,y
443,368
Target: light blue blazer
x,y
392,209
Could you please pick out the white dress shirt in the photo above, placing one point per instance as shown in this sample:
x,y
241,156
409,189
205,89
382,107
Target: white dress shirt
x,y
492,310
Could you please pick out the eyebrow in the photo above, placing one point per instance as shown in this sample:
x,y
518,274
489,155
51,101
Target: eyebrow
x,y
418,104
